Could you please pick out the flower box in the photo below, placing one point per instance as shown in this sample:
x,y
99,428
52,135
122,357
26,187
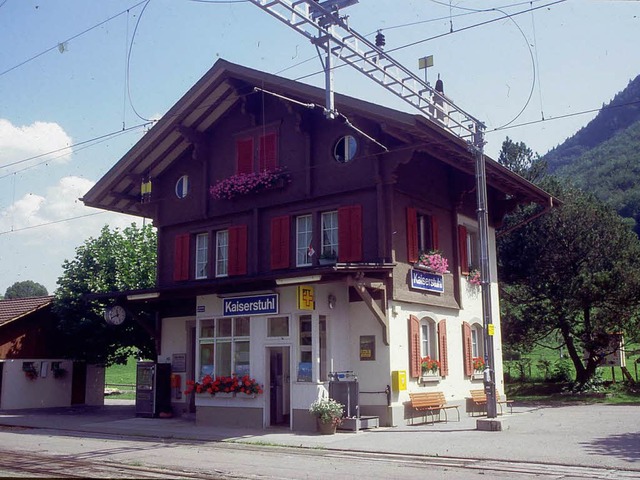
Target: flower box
x,y
430,377
477,376
225,387
248,183
327,261
433,261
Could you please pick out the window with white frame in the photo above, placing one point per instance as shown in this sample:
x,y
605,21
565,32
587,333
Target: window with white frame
x,y
304,237
477,349
305,348
428,339
222,253
225,346
329,247
473,256
202,254
312,346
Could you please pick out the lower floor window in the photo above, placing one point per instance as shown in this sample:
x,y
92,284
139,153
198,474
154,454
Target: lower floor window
x,y
225,347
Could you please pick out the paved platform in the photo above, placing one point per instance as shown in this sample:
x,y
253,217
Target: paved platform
x,y
586,435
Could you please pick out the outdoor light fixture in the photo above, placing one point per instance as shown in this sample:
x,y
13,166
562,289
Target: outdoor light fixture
x,y
332,300
294,280
143,296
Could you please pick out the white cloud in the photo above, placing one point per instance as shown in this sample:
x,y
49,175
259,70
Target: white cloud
x,y
20,144
39,232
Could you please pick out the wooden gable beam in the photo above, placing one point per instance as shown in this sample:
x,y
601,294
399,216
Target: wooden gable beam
x,y
359,283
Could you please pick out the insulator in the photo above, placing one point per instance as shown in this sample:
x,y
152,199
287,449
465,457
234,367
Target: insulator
x,y
380,40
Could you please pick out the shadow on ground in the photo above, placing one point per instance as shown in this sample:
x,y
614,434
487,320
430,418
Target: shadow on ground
x,y
625,446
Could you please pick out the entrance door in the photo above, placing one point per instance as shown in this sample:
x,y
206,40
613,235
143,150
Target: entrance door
x,y
279,393
78,383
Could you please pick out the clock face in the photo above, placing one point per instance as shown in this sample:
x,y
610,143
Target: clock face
x,y
115,315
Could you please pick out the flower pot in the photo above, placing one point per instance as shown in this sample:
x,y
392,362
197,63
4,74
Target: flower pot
x,y
327,428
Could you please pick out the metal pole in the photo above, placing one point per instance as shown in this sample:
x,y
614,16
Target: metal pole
x,y
328,72
485,272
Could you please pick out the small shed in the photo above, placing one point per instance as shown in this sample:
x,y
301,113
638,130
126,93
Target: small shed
x,y
34,372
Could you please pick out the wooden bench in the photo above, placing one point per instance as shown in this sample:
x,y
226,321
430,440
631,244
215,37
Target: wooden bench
x,y
479,399
429,403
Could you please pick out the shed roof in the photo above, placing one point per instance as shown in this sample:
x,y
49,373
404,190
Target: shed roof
x,y
16,308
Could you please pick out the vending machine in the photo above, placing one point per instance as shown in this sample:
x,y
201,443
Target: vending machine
x,y
153,389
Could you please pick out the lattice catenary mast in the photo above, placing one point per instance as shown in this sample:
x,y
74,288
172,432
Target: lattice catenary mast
x,y
322,24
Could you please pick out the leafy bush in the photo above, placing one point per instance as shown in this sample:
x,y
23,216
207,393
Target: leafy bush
x,y
562,371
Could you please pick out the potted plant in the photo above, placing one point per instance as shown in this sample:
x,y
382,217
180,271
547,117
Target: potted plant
x,y
474,276
328,257
328,413
478,367
430,367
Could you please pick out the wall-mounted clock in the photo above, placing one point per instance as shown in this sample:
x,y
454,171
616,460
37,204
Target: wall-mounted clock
x,y
115,315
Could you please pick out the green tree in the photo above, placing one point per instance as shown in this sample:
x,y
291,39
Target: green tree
x,y
520,159
27,288
117,260
574,271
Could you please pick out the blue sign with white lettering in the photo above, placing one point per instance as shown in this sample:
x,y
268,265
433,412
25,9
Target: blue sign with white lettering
x,y
431,282
253,305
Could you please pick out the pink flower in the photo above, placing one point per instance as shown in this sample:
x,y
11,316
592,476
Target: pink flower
x,y
244,183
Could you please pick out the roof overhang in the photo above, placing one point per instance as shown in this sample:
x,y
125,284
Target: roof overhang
x,y
227,84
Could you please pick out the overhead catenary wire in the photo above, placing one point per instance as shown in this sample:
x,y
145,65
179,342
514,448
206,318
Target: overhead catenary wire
x,y
56,46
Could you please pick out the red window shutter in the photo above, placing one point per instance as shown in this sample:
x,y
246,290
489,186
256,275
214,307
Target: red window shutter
x,y
442,348
412,235
268,153
435,243
238,250
462,244
244,155
181,258
414,347
350,233
280,242
467,349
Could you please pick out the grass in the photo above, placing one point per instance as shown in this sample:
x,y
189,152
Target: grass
x,y
123,378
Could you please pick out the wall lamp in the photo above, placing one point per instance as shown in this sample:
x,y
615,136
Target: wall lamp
x,y
294,280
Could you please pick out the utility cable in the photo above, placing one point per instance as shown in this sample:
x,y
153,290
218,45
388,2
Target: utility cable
x,y
128,78
100,137
57,45
51,223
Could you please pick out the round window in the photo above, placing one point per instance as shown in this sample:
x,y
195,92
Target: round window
x,y
182,186
345,149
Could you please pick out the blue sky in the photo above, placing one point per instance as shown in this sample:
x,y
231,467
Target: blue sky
x,y
60,87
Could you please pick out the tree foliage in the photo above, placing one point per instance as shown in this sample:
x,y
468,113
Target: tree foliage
x,y
117,260
519,158
575,272
24,289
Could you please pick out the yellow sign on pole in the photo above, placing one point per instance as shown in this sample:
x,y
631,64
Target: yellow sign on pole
x,y
491,329
306,298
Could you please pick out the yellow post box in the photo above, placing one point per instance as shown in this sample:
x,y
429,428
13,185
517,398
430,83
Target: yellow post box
x,y
399,380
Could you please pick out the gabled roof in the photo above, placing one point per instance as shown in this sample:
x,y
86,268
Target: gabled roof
x,y
14,309
226,84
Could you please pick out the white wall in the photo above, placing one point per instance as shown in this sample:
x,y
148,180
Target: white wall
x,y
19,392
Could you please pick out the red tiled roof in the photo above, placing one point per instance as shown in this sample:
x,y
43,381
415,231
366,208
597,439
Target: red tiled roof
x,y
18,307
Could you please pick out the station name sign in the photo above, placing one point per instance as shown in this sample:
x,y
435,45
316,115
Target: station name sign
x,y
431,282
252,305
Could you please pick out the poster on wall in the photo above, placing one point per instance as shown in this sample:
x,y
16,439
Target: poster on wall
x,y
367,347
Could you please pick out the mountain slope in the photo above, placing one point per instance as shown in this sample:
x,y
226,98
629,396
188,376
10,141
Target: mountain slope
x,y
604,156
622,112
